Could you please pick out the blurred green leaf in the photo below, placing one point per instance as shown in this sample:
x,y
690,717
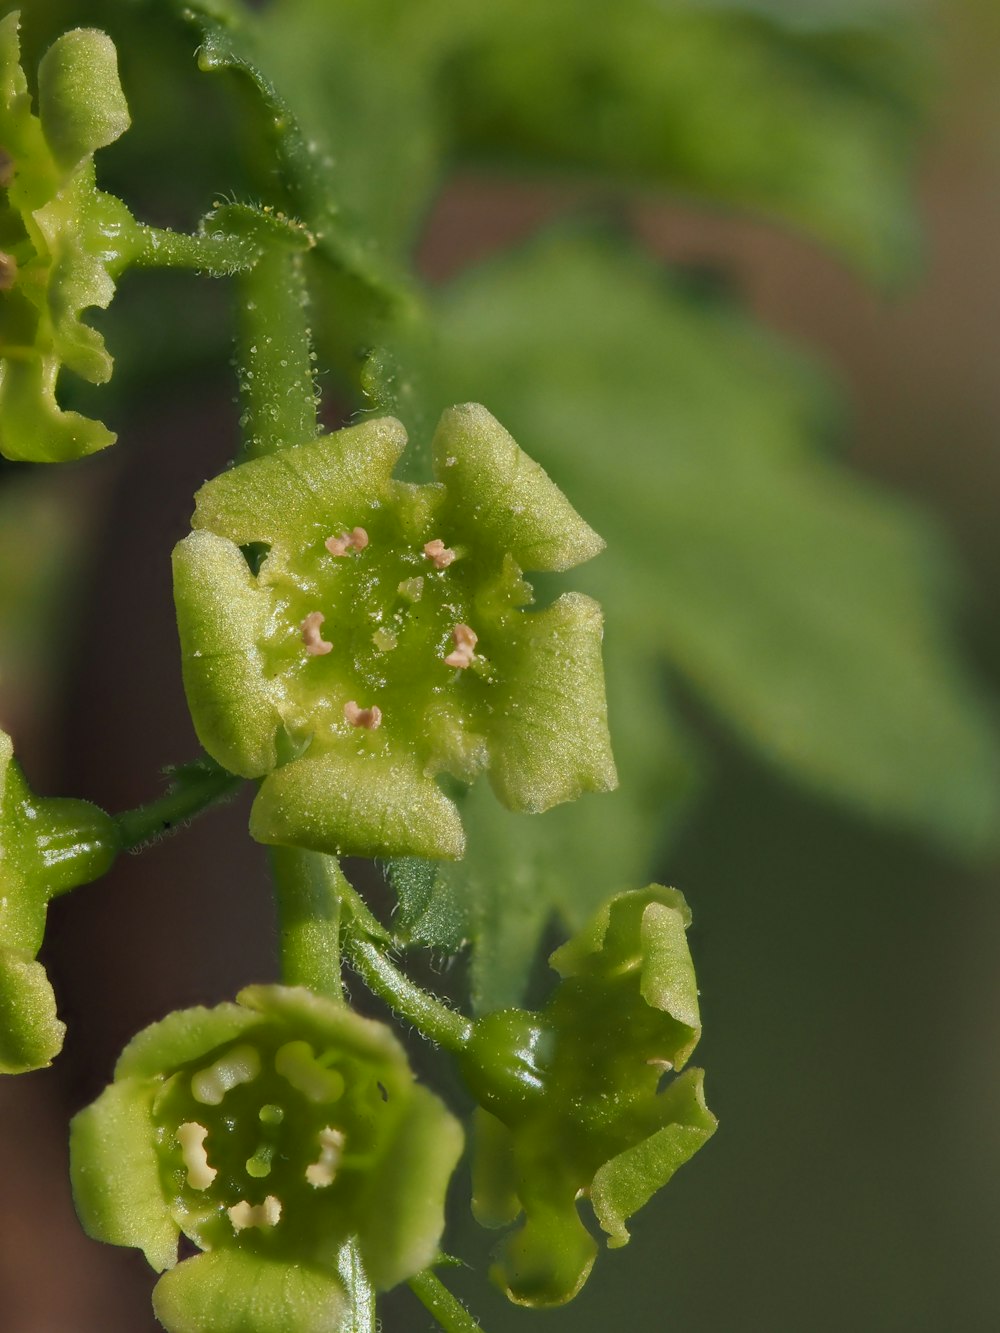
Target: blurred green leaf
x,y
803,605
812,122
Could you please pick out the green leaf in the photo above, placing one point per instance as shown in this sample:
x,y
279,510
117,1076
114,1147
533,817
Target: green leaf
x,y
807,608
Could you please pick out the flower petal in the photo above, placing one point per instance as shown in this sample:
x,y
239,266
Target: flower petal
x,y
30,1033
622,1185
356,806
549,738
221,618
328,1022
399,1242
115,1173
237,1291
319,484
500,496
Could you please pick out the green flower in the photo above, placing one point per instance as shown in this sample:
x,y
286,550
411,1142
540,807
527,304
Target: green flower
x,y
46,847
573,1098
352,637
62,241
269,1132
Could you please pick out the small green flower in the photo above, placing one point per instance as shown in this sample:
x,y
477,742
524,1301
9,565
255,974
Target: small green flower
x,y
352,637
46,847
269,1132
573,1100
62,241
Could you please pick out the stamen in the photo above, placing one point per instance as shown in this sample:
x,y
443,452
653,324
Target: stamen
x,y
315,644
384,640
191,1137
439,553
369,718
210,1085
266,1214
465,641
8,271
355,540
662,1065
295,1062
331,1148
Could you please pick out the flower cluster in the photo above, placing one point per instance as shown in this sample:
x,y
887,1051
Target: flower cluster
x,y
62,241
46,847
582,1098
349,637
270,1132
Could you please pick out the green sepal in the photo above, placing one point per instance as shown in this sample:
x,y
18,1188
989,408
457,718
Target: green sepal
x,y
31,1035
33,427
47,846
353,805
221,619
305,491
546,1261
551,727
643,933
404,1240
115,1173
574,1093
627,1182
80,100
229,1291
68,241
496,493
185,1034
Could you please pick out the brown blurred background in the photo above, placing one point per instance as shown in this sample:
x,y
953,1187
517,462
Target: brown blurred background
x,y
850,984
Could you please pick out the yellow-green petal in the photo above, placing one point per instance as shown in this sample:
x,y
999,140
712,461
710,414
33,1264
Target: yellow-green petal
x,y
627,1182
186,1034
80,100
31,1035
115,1173
221,619
549,738
318,484
234,1291
357,806
499,496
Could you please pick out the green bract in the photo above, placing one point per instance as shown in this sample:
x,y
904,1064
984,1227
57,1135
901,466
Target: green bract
x,y
46,847
371,634
62,241
573,1097
269,1132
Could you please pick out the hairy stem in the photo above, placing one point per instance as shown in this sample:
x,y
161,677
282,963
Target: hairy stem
x,y
309,887
277,389
429,1016
213,255
447,1309
194,788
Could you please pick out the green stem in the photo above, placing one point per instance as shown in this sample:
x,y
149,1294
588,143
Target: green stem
x,y
429,1016
308,887
447,1309
195,788
215,255
277,389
